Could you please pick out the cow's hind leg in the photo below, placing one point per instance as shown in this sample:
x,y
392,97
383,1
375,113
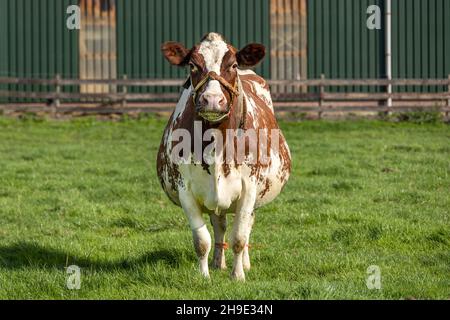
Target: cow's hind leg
x,y
246,257
219,224
240,233
200,233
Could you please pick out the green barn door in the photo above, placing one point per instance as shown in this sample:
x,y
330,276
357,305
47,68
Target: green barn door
x,y
35,42
4,70
143,25
341,46
421,40
339,43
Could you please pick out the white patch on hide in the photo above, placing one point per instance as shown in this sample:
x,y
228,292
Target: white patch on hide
x,y
245,72
182,103
213,48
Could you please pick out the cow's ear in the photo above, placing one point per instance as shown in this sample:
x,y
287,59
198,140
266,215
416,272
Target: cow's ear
x,y
175,53
251,55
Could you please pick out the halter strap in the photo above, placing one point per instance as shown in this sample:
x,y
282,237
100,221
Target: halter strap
x,y
214,76
241,103
222,245
225,246
235,91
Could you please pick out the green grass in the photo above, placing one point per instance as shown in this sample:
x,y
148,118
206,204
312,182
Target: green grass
x,y
362,193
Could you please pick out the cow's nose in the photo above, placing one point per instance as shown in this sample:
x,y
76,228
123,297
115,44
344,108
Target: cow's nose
x,y
213,100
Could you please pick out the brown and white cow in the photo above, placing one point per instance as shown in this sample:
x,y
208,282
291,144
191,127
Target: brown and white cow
x,y
222,99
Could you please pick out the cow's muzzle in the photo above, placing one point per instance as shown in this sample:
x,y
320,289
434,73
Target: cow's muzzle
x,y
213,107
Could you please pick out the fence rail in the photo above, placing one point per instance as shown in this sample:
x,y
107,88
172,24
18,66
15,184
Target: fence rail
x,y
319,101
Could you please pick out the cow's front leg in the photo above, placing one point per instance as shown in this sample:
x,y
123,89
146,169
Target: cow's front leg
x,y
246,257
220,225
200,233
241,224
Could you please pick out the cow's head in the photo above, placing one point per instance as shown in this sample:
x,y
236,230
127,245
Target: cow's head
x,y
213,70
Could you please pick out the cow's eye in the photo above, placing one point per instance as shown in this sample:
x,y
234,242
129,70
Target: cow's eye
x,y
234,66
193,67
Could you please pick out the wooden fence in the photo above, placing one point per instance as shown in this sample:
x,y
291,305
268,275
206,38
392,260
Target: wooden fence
x,y
320,100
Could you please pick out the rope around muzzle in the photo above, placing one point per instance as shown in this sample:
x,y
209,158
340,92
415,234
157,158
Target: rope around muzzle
x,y
233,90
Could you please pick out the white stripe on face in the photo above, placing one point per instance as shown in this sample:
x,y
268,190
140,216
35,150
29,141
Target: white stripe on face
x,y
213,49
213,88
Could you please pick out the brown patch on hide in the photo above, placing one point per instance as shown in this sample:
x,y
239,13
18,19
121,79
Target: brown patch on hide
x,y
266,189
201,247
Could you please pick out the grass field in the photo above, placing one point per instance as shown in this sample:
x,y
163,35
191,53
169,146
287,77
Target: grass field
x,y
362,193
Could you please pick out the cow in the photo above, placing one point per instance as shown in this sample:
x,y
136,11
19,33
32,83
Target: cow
x,y
223,96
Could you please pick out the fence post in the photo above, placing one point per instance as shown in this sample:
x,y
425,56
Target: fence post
x,y
124,91
322,94
388,102
56,102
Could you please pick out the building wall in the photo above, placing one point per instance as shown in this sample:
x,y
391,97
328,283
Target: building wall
x,y
304,38
3,47
341,46
34,41
421,39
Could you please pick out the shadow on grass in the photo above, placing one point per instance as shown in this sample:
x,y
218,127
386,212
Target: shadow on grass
x,y
24,254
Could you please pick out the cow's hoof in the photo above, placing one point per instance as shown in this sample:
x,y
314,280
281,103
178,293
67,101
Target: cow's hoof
x,y
246,262
219,261
219,265
238,277
204,271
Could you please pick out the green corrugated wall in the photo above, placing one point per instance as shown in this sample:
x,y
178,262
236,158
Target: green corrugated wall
x,y
3,46
34,40
420,39
339,43
341,46
143,25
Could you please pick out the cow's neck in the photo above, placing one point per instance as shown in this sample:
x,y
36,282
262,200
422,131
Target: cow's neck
x,y
236,121
241,105
238,111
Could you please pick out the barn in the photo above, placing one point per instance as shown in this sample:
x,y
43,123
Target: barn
x,y
305,38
